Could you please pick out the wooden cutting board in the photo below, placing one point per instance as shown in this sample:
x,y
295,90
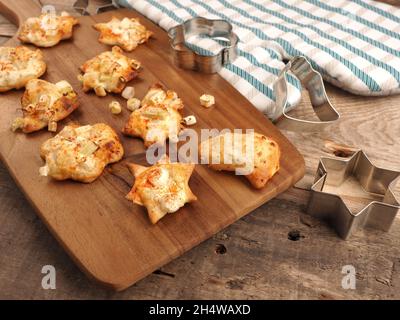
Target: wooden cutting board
x,y
108,237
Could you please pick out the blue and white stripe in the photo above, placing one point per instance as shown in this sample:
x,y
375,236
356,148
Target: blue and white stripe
x,y
354,44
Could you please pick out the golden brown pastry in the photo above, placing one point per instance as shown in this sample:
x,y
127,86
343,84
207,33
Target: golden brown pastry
x,y
108,72
48,29
18,65
80,152
44,103
162,188
158,118
262,166
126,33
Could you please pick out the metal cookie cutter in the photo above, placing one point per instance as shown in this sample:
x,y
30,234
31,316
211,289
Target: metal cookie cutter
x,y
188,59
376,181
92,7
313,82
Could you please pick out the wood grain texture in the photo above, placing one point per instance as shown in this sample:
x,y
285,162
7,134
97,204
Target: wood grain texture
x,y
260,262
108,237
7,29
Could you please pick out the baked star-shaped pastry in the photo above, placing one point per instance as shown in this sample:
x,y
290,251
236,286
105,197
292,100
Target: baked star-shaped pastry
x,y
158,118
48,29
18,65
44,103
126,33
162,188
80,152
108,72
229,151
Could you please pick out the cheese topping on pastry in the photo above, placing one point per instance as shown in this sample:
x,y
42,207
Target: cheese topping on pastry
x,y
223,153
126,33
81,152
47,30
19,65
162,188
108,72
44,103
157,119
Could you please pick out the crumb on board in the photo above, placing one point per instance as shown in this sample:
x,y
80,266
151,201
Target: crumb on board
x,y
207,100
189,120
128,93
115,107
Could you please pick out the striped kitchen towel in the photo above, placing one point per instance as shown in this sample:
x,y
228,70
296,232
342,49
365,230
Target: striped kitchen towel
x,y
355,45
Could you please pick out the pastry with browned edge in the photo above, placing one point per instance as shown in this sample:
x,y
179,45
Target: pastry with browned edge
x,y
256,154
44,104
48,29
108,72
162,188
158,117
18,65
80,152
127,33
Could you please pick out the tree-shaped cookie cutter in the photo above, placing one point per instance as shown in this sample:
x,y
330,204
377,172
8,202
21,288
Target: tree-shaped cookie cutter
x,y
374,180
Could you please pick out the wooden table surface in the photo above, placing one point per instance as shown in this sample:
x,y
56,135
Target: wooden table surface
x,y
253,258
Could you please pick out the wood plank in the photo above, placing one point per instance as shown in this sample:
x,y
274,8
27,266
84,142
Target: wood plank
x,y
260,261
109,238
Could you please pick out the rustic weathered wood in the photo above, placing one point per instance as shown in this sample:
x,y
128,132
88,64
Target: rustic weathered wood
x,y
260,262
111,239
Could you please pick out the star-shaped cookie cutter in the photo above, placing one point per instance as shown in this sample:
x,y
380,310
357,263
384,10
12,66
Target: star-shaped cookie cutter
x,y
376,181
